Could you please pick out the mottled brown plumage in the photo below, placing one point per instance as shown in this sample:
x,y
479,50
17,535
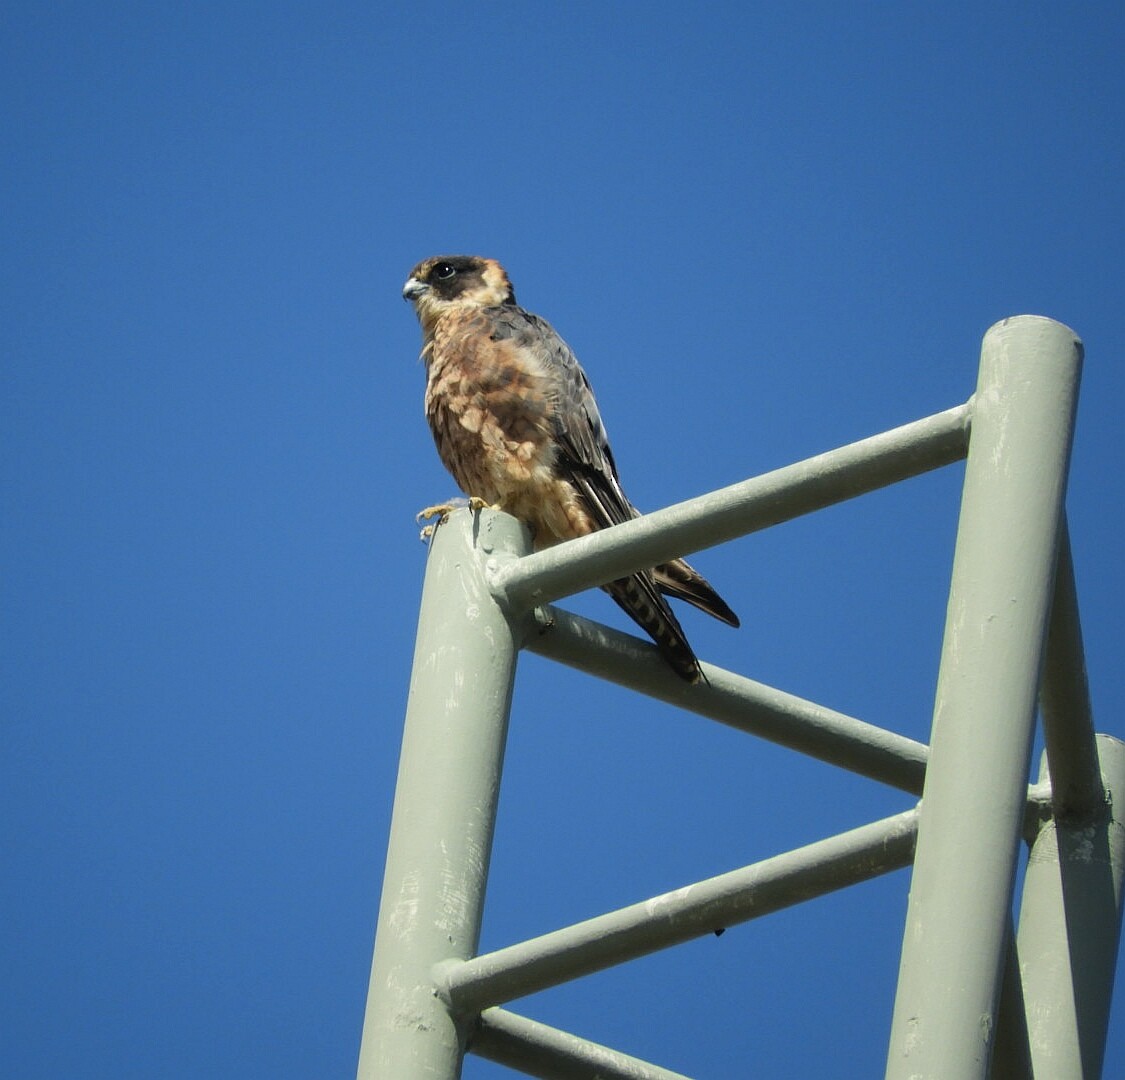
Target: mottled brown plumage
x,y
516,423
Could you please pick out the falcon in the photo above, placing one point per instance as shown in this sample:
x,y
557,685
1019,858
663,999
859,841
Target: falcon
x,y
516,423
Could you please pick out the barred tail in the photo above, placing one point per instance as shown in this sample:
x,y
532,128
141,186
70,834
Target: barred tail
x,y
640,599
681,581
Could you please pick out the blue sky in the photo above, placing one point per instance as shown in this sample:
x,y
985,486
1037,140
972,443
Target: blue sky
x,y
766,230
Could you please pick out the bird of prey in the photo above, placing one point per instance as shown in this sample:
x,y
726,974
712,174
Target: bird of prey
x,y
515,422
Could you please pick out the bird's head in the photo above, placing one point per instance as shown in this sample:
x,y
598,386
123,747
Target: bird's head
x,y
449,281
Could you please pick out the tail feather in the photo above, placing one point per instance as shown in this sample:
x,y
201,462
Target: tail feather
x,y
639,597
681,581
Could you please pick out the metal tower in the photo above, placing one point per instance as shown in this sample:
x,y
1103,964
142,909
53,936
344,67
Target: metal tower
x,y
976,998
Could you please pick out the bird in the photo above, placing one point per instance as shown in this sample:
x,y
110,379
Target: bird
x,y
515,422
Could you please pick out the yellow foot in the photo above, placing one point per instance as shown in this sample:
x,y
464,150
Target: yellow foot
x,y
441,511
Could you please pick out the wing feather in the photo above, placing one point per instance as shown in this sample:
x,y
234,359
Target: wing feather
x,y
584,457
582,447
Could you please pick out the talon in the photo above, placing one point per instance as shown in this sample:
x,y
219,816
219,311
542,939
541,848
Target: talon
x,y
441,511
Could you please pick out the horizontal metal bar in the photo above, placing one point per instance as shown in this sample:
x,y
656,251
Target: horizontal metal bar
x,y
719,516
734,700
539,1050
674,917
1064,701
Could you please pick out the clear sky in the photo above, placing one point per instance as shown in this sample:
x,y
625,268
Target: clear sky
x,y
766,230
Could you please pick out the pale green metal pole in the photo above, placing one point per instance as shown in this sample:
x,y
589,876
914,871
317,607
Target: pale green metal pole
x,y
445,802
1064,703
734,511
976,780
1070,922
536,1049
732,699
690,912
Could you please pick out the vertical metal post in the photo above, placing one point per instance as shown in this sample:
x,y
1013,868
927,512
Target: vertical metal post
x,y
973,800
1070,920
1064,702
445,802
1011,1056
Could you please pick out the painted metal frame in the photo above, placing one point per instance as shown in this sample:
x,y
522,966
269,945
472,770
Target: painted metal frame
x,y
974,999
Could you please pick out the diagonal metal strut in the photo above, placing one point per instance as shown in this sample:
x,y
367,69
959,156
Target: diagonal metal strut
x,y
678,916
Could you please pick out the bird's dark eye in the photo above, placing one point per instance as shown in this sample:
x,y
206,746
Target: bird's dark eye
x,y
444,271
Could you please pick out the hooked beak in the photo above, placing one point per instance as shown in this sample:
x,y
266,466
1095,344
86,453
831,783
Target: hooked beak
x,y
413,289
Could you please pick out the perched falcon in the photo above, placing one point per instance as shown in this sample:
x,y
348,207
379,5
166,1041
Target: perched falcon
x,y
516,424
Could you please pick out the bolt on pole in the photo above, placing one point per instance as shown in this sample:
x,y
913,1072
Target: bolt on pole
x,y
445,803
957,925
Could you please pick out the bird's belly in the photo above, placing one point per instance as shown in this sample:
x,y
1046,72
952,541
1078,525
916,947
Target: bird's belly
x,y
509,465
